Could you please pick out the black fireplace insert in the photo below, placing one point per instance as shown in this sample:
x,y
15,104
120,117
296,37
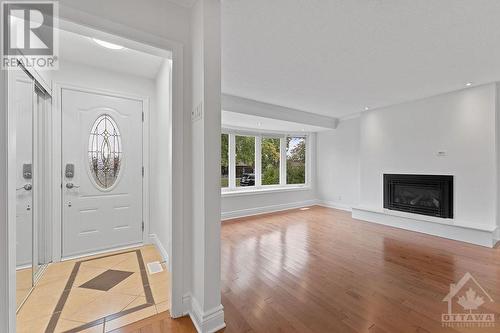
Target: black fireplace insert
x,y
420,194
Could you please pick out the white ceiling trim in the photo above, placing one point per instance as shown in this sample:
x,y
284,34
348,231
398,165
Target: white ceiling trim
x,y
251,107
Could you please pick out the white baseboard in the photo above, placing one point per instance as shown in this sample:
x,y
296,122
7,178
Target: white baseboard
x,y
497,237
106,251
164,254
484,236
335,205
266,209
205,322
186,304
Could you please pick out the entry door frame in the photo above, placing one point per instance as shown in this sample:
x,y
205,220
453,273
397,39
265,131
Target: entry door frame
x,y
57,185
82,21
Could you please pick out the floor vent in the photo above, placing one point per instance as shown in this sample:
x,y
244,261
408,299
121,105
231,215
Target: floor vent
x,y
155,267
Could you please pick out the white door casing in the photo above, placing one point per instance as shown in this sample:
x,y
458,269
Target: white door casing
x,y
23,104
96,218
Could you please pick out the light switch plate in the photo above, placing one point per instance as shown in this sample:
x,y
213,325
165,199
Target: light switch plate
x,y
197,112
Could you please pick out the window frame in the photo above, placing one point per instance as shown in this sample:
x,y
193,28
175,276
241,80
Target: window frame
x,y
306,162
255,159
228,164
280,167
259,188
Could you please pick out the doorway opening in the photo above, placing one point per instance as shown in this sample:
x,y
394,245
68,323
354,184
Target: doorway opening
x,y
103,229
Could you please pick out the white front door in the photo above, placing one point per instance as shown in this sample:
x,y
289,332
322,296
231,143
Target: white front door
x,y
102,171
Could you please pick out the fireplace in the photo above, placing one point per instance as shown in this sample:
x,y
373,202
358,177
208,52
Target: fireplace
x,y
419,194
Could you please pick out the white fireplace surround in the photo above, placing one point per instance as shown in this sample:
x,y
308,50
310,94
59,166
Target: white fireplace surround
x,y
484,235
455,134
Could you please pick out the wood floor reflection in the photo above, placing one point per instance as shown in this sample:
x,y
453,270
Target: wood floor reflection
x,y
319,270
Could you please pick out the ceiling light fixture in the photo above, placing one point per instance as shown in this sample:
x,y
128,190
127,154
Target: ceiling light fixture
x,y
367,108
108,45
468,84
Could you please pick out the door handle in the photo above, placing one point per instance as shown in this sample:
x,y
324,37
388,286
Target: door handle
x,y
69,186
26,187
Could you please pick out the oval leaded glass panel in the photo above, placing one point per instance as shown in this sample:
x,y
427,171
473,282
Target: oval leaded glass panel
x,y
105,151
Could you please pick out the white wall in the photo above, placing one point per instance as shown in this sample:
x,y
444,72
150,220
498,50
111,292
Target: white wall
x,y
497,146
161,167
207,311
98,78
7,213
405,139
197,153
338,165
251,204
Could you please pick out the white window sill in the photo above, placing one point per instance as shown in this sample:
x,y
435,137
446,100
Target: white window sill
x,y
262,190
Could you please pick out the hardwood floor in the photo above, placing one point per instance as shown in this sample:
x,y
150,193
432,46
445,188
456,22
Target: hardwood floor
x,y
319,270
159,323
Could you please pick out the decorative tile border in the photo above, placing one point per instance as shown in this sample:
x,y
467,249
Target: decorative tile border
x,y
71,280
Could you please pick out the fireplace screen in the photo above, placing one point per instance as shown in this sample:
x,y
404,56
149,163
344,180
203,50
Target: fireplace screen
x,y
421,194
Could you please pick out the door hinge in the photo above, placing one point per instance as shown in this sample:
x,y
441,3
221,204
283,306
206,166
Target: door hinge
x,y
142,171
142,226
143,116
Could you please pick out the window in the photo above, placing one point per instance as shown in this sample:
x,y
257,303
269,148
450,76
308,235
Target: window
x,y
105,151
224,160
270,159
255,162
295,160
245,160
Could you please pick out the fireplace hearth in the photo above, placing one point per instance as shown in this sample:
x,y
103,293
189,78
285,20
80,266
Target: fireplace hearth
x,y
419,194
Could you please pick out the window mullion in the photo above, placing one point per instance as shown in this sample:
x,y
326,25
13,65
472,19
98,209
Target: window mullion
x,y
307,180
232,161
283,161
258,161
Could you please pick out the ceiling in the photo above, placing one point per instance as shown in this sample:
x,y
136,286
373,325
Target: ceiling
x,y
184,3
81,49
337,57
251,122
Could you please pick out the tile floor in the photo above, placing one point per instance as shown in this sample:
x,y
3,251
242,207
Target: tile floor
x,y
96,294
23,284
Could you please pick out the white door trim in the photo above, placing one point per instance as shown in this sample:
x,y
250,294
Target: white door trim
x,y
58,87
8,229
